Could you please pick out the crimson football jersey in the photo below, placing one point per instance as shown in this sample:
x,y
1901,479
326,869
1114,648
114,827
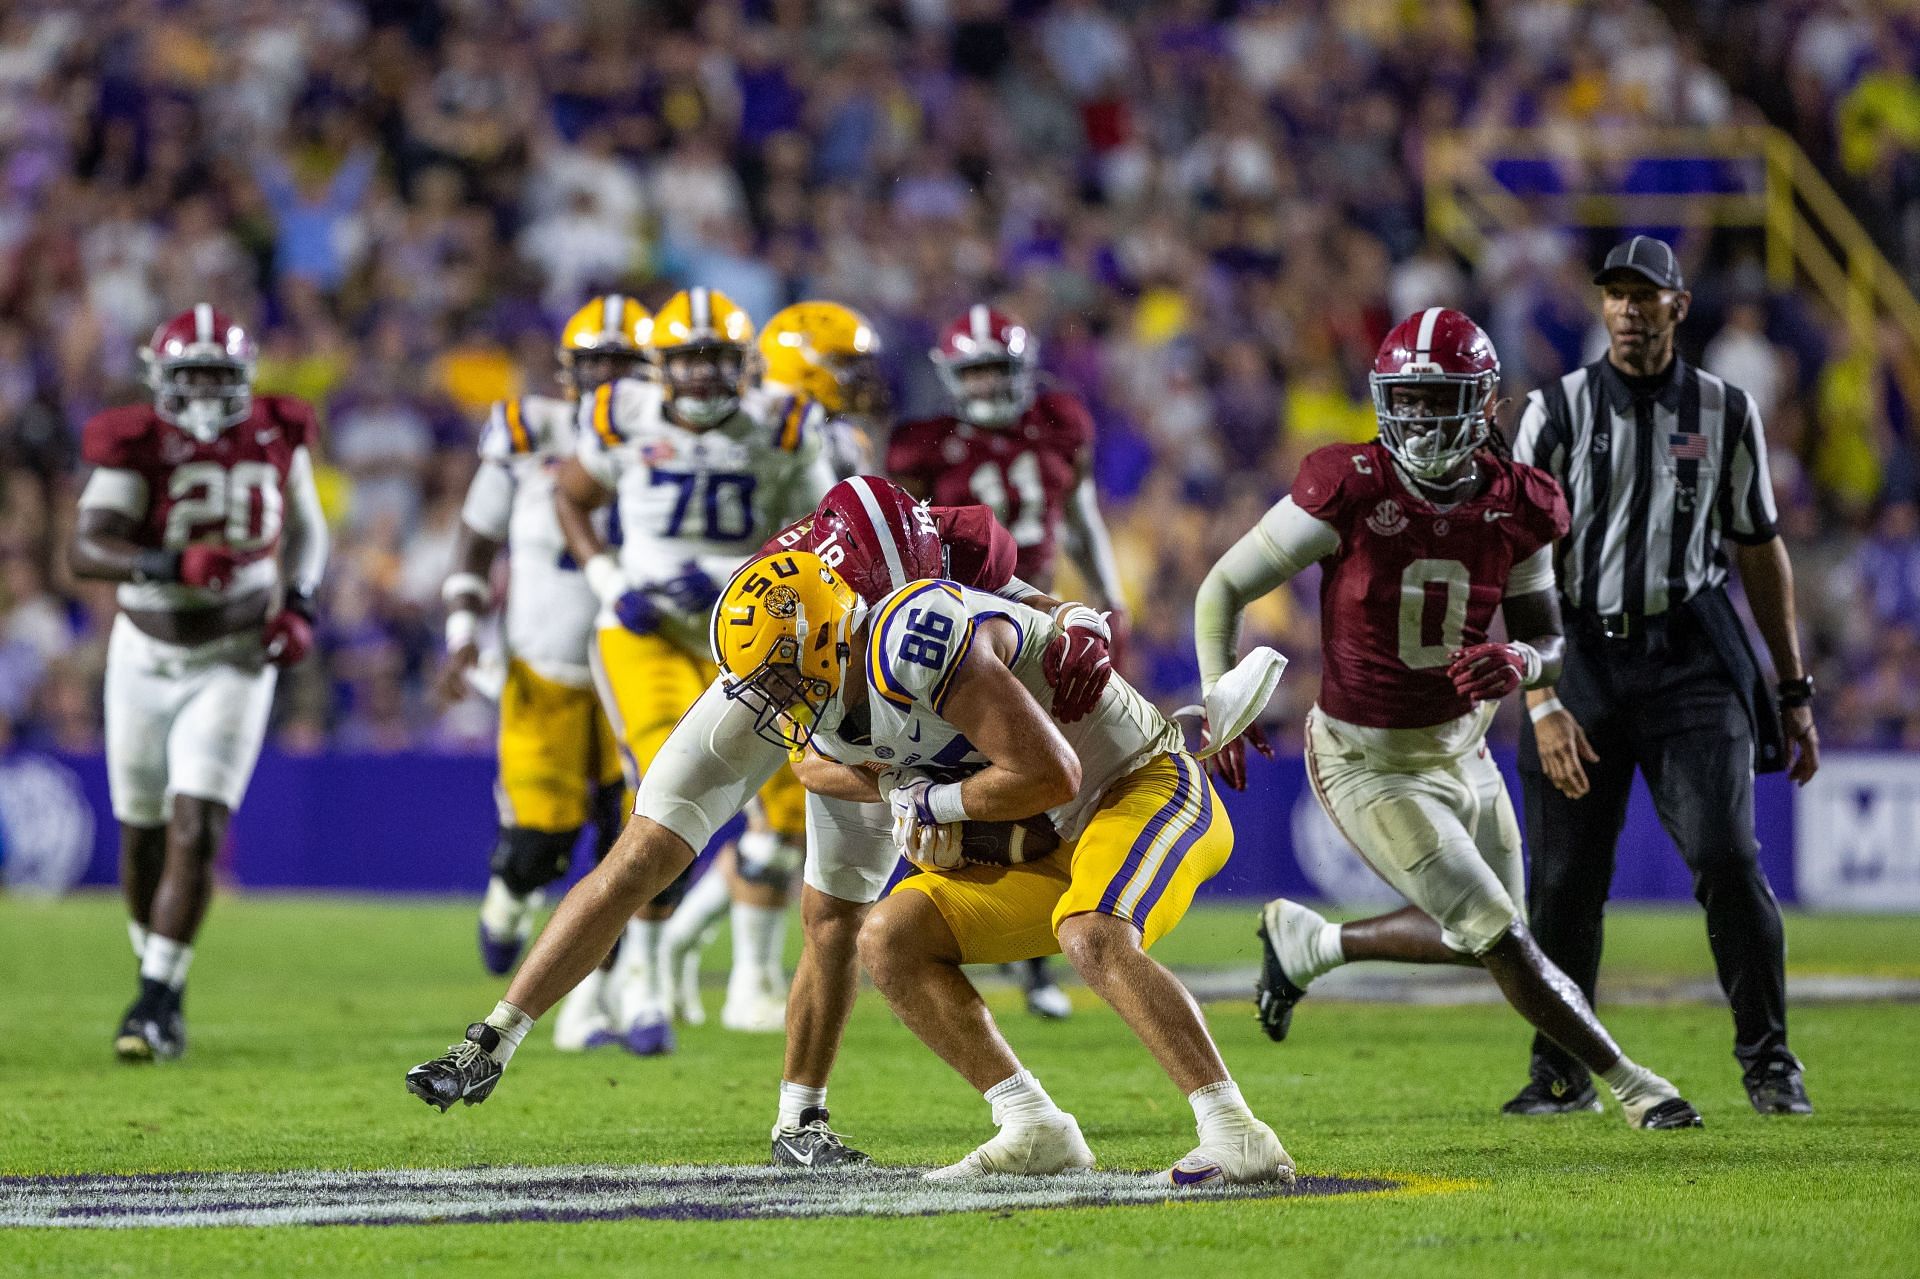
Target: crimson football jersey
x,y
980,553
231,489
1411,584
1023,473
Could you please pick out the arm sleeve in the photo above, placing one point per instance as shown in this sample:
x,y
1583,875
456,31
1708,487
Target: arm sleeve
x,y
305,553
489,503
1750,486
1092,549
111,488
1533,574
1286,540
1020,592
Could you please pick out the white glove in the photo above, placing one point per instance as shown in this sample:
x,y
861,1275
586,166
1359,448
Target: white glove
x,y
605,578
928,844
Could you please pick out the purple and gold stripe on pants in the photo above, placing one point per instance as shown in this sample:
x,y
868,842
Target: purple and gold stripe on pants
x,y
1162,844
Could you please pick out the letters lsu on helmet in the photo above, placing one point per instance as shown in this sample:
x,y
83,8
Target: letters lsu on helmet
x,y
699,341
782,637
874,534
1434,384
829,354
604,341
199,366
989,363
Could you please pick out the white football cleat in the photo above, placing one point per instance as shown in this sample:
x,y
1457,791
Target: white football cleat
x,y
755,1013
1236,1153
1027,1150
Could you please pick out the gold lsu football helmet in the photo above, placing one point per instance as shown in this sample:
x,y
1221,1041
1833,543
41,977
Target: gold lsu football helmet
x,y
782,637
603,342
699,340
829,354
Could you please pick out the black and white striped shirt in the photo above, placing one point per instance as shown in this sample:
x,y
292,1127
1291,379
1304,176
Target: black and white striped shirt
x,y
1654,481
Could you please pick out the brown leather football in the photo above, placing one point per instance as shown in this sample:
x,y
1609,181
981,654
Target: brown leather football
x,y
1008,843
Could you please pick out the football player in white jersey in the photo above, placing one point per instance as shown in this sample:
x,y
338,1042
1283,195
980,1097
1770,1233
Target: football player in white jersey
x,y
697,482
818,364
558,765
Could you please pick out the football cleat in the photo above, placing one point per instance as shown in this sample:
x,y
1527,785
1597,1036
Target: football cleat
x,y
1050,1002
814,1145
153,1029
1554,1097
465,1072
583,1021
650,1036
1284,928
1029,1150
1778,1088
499,952
1674,1112
1234,1153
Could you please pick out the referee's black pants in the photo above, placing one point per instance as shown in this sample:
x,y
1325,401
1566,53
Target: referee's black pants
x,y
1661,702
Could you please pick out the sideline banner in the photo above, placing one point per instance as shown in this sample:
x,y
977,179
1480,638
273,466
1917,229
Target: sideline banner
x,y
424,823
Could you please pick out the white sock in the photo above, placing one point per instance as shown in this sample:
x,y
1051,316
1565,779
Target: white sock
x,y
513,1026
166,961
640,984
137,934
1635,1086
501,911
795,1098
1324,953
705,902
1217,1101
1019,1099
754,928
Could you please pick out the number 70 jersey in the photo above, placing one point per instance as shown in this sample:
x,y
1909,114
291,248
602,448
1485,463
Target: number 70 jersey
x,y
1412,582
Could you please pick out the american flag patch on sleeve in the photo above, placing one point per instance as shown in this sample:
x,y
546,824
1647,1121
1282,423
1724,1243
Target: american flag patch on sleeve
x,y
1687,447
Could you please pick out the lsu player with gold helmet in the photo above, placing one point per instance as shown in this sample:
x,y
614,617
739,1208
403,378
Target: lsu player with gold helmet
x,y
558,765
697,480
936,702
822,359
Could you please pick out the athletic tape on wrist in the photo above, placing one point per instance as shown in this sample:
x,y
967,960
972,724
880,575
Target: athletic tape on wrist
x,y
1529,664
462,625
945,804
1544,709
463,584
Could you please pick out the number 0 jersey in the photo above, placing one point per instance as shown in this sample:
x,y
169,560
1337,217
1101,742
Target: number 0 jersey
x,y
1409,582
550,610
916,641
710,496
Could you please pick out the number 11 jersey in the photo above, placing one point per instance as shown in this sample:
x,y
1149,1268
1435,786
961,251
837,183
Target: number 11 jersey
x,y
1412,582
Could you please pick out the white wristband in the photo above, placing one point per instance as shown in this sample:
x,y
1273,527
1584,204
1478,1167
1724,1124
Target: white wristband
x,y
605,578
1068,616
462,625
943,801
1529,663
463,584
1549,707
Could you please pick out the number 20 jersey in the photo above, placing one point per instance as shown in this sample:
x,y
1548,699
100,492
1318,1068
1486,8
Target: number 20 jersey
x,y
1411,583
916,642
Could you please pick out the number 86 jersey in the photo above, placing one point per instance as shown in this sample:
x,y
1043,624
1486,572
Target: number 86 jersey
x,y
1409,582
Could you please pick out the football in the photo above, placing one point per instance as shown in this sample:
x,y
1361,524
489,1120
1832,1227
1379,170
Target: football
x,y
1008,843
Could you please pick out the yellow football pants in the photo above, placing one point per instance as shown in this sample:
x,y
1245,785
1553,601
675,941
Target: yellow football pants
x,y
647,683
556,749
1159,834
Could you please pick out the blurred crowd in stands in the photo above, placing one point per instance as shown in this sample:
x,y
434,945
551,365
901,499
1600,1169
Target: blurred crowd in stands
x,y
1212,212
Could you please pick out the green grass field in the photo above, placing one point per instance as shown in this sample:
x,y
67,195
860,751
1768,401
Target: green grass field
x,y
306,1012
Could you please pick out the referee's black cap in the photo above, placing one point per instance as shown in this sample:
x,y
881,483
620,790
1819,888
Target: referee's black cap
x,y
1646,257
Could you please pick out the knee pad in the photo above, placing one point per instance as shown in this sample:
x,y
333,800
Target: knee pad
x,y
767,859
528,860
671,895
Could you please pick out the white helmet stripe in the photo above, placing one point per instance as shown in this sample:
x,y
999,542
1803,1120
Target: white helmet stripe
x,y
203,321
1423,345
701,309
611,312
882,531
979,321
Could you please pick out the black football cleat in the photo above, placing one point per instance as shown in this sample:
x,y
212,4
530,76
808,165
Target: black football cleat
x,y
814,1145
152,1029
1275,996
1674,1112
466,1072
1777,1088
1554,1097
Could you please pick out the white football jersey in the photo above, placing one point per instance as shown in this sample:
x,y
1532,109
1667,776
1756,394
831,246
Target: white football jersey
x,y
916,641
550,609
712,497
846,443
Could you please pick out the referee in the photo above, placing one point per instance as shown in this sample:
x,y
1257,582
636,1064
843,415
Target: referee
x,y
1663,465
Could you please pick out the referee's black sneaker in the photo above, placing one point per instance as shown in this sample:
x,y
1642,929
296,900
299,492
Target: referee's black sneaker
x,y
1554,1097
1776,1088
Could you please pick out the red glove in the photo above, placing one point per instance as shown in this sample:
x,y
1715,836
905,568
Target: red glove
x,y
1230,764
288,638
1487,672
1078,664
208,566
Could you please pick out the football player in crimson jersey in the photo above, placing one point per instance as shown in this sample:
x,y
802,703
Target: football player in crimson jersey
x,y
1026,452
1422,535
202,506
879,539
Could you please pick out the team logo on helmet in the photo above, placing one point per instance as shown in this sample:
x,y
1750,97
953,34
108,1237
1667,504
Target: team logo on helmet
x,y
781,601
